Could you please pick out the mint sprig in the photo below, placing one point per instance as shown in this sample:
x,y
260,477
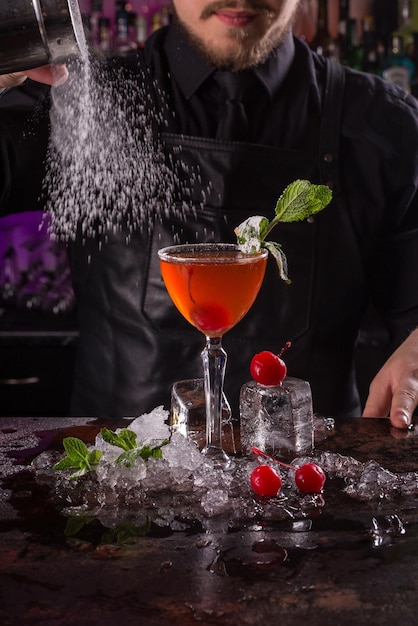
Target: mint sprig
x,y
126,439
298,201
79,457
129,457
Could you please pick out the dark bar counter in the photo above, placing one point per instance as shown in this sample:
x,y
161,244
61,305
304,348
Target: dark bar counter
x,y
331,571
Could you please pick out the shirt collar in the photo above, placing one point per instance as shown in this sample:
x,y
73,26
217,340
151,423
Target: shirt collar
x,y
182,54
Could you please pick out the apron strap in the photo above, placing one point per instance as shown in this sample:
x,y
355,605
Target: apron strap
x,y
329,139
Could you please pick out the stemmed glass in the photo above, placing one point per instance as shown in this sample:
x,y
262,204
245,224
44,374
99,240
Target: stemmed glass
x,y
213,285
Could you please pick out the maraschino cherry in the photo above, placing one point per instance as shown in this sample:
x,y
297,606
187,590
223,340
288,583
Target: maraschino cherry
x,y
309,478
268,368
265,481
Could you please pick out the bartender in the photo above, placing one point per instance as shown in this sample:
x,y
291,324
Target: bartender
x,y
306,118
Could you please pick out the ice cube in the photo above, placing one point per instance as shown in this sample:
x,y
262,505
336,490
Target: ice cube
x,y
385,528
277,419
188,413
374,482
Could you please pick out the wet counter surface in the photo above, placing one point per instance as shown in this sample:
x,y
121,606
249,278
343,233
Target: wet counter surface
x,y
336,570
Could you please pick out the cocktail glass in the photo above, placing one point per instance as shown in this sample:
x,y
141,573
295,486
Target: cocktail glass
x,y
213,285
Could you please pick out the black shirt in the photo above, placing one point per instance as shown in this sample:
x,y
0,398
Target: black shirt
x,y
196,96
378,161
365,245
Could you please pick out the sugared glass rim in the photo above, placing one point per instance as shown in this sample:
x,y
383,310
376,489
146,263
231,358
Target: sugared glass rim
x,y
170,253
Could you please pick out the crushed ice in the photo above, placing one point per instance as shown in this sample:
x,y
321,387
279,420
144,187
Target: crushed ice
x,y
184,486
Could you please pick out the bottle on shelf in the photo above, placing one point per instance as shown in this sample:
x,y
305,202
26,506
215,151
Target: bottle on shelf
x,y
385,14
405,26
160,16
105,39
322,42
398,69
95,15
412,54
156,21
141,30
352,54
406,30
343,19
132,29
373,51
165,15
411,50
122,42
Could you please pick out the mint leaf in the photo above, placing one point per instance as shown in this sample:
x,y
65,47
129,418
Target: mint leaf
x,y
128,458
75,449
154,453
75,524
78,457
298,201
125,438
279,256
93,457
66,463
110,437
79,473
146,452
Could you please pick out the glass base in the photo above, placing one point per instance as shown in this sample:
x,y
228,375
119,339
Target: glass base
x,y
219,457
188,414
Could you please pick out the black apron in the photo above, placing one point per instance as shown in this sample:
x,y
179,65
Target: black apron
x,y
133,342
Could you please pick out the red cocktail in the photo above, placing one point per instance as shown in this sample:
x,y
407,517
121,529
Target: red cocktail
x,y
213,286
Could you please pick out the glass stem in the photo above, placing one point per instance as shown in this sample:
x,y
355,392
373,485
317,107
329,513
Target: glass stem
x,y
214,364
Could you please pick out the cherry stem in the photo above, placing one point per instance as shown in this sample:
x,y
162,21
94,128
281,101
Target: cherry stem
x,y
285,347
259,452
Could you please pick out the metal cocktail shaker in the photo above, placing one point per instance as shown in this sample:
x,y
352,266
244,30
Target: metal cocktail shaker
x,y
38,32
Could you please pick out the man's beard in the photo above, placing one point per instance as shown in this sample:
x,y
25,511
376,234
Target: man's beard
x,y
244,55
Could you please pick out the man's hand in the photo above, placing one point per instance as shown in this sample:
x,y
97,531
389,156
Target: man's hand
x,y
394,390
49,74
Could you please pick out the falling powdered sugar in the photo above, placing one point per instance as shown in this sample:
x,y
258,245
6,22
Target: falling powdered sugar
x,y
106,169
